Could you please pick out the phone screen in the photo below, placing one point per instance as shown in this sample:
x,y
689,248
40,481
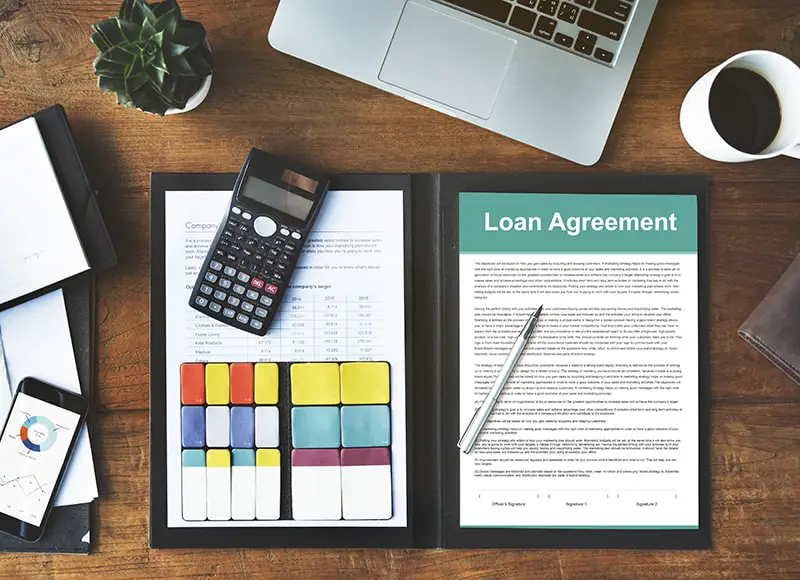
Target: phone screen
x,y
33,448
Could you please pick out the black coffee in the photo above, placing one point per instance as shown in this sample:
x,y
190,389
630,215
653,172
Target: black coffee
x,y
745,110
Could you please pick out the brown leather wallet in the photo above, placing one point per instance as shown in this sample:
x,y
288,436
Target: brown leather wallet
x,y
774,326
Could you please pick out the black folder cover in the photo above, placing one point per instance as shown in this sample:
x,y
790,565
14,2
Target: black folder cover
x,y
78,194
433,381
68,524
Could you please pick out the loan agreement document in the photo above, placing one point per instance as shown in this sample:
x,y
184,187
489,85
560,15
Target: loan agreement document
x,y
598,426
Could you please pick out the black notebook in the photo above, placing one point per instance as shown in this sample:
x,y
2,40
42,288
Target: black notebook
x,y
68,526
339,428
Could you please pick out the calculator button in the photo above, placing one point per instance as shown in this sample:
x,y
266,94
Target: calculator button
x,y
230,271
257,324
242,227
247,216
296,235
238,288
243,264
266,301
233,223
211,277
206,289
272,253
284,232
224,244
214,265
265,226
247,307
269,262
227,232
259,257
252,295
233,301
230,258
282,267
200,301
290,247
278,245
247,253
271,288
219,254
225,283
236,210
239,237
242,318
261,312
228,312
214,307
286,257
243,277
220,295
277,276
251,243
257,283
236,248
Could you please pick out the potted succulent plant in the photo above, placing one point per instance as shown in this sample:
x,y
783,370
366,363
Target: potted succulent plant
x,y
153,58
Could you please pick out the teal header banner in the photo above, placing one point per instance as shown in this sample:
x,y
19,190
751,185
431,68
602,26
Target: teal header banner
x,y
543,223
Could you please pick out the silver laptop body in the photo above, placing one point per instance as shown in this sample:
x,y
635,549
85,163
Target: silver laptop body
x,y
557,86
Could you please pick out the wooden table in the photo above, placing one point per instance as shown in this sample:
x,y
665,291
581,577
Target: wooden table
x,y
262,98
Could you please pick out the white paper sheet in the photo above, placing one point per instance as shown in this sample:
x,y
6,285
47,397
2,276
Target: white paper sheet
x,y
37,343
350,276
38,242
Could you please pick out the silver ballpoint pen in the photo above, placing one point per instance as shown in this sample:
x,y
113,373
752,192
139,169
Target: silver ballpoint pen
x,y
470,436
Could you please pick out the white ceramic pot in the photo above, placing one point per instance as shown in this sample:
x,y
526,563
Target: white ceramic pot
x,y
195,100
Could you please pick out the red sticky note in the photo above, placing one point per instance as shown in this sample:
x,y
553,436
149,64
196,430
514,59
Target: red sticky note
x,y
193,383
242,384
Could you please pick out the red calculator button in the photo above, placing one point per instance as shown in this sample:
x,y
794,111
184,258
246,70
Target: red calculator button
x,y
271,289
257,283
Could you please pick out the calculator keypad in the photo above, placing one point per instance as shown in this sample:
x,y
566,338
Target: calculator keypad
x,y
247,270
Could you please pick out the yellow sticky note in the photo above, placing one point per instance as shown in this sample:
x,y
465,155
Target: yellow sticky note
x,y
268,458
218,384
315,384
365,383
218,458
266,384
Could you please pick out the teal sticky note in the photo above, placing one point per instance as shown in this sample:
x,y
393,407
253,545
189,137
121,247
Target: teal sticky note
x,y
315,427
365,426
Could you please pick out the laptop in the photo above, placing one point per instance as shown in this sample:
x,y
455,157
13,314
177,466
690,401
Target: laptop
x,y
548,73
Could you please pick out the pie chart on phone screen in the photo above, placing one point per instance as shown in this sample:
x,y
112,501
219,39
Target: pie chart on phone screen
x,y
38,433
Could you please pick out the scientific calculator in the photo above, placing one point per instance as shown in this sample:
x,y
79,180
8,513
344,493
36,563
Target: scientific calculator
x,y
255,251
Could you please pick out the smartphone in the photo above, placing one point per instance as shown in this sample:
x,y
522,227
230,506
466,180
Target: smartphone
x,y
36,443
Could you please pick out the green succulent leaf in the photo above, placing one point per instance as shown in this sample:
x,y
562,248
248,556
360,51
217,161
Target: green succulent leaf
x,y
150,56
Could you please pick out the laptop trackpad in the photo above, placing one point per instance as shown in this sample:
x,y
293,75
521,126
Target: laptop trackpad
x,y
447,60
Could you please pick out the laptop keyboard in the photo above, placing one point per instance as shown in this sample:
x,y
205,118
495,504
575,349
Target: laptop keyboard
x,y
593,29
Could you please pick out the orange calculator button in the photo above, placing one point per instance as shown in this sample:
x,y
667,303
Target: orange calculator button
x,y
242,384
193,383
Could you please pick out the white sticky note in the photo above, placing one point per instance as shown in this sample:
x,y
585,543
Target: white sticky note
x,y
316,484
193,485
366,492
243,485
268,484
267,427
218,426
218,484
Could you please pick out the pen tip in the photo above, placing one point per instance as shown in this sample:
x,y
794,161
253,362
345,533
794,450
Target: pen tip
x,y
538,311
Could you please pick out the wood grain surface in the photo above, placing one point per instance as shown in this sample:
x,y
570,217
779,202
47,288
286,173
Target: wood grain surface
x,y
262,98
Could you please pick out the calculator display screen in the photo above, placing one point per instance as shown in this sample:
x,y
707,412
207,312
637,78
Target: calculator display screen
x,y
277,198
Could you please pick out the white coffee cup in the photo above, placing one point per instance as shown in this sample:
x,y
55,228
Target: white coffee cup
x,y
781,73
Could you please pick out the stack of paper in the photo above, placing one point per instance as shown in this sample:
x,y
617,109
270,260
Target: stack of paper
x,y
36,343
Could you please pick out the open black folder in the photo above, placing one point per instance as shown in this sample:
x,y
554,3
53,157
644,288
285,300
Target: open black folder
x,y
433,427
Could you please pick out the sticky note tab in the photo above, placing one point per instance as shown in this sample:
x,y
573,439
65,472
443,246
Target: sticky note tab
x,y
218,427
217,384
365,426
267,427
366,484
242,427
266,384
193,485
315,384
193,384
242,384
365,383
268,458
193,427
316,484
268,484
243,485
315,427
218,484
